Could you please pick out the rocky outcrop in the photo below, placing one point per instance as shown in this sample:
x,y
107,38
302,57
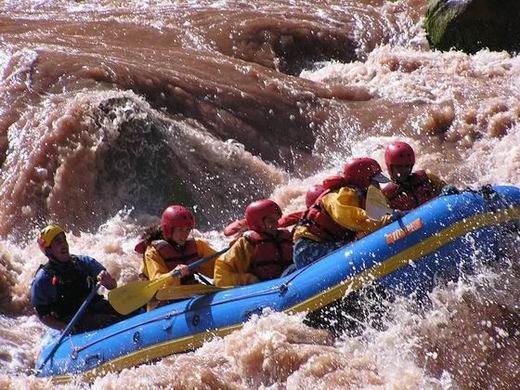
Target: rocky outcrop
x,y
471,25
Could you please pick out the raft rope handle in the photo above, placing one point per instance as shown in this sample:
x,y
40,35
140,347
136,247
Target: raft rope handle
x,y
169,315
74,348
491,195
284,287
492,198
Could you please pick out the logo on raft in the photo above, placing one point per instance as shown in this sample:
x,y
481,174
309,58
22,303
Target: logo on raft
x,y
404,231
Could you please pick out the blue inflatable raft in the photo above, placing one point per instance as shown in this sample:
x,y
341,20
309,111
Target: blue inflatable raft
x,y
436,240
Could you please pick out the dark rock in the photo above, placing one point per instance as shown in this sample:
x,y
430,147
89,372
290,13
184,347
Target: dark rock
x,y
471,25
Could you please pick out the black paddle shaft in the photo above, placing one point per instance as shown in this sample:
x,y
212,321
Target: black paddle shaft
x,y
71,324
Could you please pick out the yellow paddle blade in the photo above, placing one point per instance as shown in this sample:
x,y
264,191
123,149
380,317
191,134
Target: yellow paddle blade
x,y
126,299
187,291
134,295
376,204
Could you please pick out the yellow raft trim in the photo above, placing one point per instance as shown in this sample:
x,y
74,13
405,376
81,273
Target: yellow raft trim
x,y
322,299
407,257
147,354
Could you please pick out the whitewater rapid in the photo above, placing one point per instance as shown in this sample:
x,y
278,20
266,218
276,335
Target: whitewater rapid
x,y
111,111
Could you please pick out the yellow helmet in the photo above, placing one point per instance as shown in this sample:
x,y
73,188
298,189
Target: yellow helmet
x,y
47,235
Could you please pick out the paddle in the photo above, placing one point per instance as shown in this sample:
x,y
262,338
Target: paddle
x,y
376,207
72,322
126,299
187,291
376,204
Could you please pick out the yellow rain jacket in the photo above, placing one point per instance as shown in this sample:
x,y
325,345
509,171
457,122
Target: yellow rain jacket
x,y
155,266
231,268
344,207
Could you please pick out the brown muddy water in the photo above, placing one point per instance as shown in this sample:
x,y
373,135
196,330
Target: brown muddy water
x,y
111,110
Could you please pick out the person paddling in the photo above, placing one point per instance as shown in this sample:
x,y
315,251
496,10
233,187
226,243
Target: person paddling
x,y
168,246
310,197
62,284
261,253
408,189
337,217
236,228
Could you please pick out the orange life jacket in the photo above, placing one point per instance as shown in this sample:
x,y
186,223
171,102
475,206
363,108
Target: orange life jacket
x,y
174,255
272,254
418,189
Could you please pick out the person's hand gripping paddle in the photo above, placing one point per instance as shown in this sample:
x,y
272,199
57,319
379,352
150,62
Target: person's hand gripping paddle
x,y
126,299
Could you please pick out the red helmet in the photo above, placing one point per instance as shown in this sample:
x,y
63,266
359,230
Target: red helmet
x,y
360,172
312,194
176,216
260,209
399,153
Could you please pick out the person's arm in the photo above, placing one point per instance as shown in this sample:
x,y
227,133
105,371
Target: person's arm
x,y
155,267
231,268
107,280
204,250
237,227
290,219
98,271
344,208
